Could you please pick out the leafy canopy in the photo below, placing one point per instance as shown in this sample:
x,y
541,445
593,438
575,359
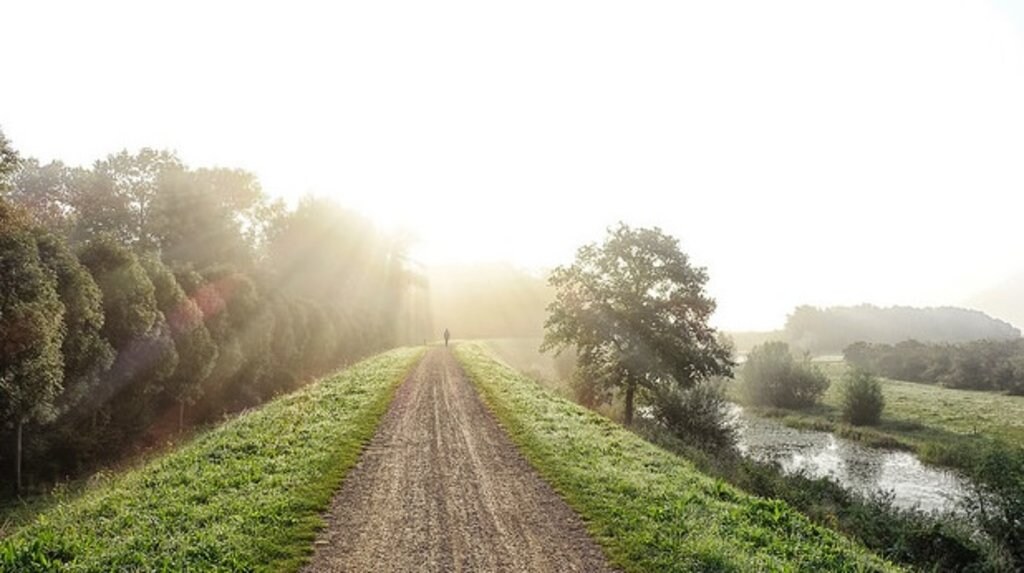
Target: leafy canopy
x,y
637,313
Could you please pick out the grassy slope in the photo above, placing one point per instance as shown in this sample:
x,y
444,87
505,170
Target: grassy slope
x,y
245,496
931,420
652,510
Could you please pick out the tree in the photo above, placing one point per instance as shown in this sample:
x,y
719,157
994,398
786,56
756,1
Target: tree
x,y
862,399
87,354
136,328
9,162
209,217
129,299
636,312
118,196
196,350
46,192
771,377
31,317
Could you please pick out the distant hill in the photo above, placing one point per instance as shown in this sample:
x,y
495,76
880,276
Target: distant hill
x,y
823,330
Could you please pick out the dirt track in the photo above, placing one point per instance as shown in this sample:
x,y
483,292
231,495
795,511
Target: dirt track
x,y
442,488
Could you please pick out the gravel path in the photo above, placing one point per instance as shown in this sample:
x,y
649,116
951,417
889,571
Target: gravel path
x,y
442,488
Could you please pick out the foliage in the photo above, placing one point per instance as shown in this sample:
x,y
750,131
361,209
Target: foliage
x,y
993,365
31,320
129,299
771,377
9,162
636,312
651,510
824,330
86,352
997,500
225,207
195,348
862,399
697,416
324,253
46,192
177,283
246,496
117,199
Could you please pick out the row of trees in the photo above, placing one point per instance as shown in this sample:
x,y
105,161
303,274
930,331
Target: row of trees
x,y
139,294
827,330
994,365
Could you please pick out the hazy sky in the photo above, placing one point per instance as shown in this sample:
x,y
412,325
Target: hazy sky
x,y
805,152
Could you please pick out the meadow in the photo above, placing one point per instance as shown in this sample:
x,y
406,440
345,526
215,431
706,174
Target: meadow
x,y
942,425
650,509
245,496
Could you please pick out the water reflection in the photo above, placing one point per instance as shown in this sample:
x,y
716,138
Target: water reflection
x,y
862,469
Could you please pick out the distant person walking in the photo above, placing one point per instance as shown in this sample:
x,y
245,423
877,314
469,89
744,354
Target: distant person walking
x,y
447,335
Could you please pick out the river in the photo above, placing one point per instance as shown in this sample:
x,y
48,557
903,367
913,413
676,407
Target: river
x,y
855,466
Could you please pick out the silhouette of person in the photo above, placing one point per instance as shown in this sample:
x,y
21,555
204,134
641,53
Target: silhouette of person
x,y
447,335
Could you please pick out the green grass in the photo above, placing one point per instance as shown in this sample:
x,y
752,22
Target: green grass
x,y
246,496
652,510
942,425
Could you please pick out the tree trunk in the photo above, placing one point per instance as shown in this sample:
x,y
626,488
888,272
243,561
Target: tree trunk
x,y
181,416
17,460
630,390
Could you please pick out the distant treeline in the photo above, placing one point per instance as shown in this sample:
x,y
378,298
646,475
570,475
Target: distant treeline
x,y
140,295
824,330
996,365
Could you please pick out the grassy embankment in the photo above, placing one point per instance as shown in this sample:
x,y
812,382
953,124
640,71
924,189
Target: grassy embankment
x,y
245,496
650,509
942,425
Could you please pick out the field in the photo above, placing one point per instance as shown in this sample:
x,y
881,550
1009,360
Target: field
x,y
932,420
246,496
650,509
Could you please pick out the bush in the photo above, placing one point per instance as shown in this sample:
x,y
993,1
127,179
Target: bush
x,y
862,399
698,416
996,500
771,377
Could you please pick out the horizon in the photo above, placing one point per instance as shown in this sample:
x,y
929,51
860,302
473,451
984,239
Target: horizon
x,y
797,161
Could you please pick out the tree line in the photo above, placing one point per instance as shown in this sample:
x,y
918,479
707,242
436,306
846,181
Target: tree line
x,y
826,330
993,365
138,296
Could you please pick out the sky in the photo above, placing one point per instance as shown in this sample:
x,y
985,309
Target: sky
x,y
804,152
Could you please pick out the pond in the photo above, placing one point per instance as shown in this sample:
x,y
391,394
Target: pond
x,y
853,465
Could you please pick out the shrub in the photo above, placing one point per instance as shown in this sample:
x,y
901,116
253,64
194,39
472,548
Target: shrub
x,y
697,416
771,377
862,399
996,500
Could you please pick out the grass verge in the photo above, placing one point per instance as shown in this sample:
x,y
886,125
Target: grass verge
x,y
245,496
652,510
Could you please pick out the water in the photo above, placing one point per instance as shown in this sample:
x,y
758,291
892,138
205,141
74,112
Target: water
x,y
855,466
